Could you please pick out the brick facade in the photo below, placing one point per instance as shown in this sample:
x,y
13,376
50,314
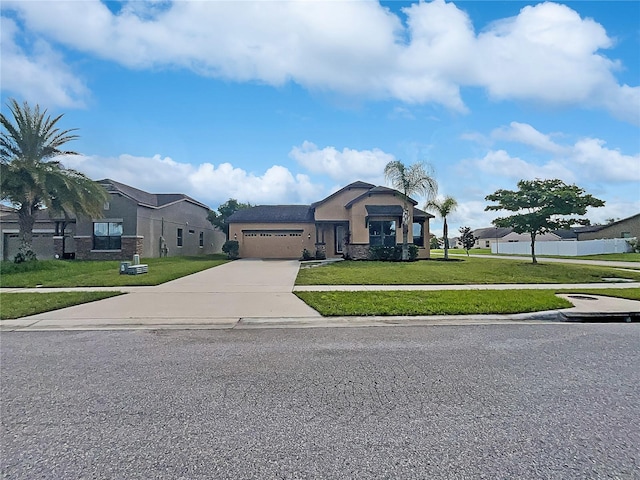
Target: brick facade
x,y
131,245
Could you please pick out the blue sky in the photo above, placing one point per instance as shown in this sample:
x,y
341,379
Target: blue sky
x,y
284,102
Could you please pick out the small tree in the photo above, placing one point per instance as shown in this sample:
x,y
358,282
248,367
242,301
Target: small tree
x,y
467,239
228,208
444,208
433,242
416,179
542,206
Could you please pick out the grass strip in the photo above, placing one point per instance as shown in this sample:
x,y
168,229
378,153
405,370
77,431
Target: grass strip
x,y
460,271
77,273
443,302
628,293
17,305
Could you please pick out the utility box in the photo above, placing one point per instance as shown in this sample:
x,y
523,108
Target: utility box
x,y
124,267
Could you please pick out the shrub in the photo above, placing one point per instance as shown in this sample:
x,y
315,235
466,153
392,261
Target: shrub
x,y
231,248
634,244
25,254
391,254
306,255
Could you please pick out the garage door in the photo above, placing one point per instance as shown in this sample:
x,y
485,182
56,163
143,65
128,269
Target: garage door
x,y
42,244
271,244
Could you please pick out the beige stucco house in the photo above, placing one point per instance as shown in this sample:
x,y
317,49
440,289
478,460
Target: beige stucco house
x,y
344,224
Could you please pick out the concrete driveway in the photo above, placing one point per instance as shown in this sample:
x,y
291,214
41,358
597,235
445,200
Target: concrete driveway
x,y
221,296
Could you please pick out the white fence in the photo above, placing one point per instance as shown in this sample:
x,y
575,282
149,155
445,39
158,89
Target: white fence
x,y
566,248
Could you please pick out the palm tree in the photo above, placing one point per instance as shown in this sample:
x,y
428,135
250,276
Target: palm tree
x,y
444,208
416,179
31,178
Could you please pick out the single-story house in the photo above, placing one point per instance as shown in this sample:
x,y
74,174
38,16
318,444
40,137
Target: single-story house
x,y
133,222
626,228
486,237
346,223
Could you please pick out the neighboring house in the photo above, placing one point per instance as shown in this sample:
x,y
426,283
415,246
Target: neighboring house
x,y
555,236
345,224
133,222
485,237
45,230
626,228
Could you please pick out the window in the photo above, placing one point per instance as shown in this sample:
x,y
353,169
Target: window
x,y
418,234
179,237
107,235
382,232
626,235
202,239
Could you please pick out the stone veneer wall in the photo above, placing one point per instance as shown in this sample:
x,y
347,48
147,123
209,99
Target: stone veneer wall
x,y
130,247
358,252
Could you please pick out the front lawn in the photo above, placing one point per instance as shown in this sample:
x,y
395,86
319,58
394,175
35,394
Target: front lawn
x,y
444,302
17,305
459,271
77,273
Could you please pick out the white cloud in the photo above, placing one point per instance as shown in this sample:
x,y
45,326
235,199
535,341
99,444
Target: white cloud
x,y
526,134
205,182
343,166
547,53
499,163
40,75
588,158
595,162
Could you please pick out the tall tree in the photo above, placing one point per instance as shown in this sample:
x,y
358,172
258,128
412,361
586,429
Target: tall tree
x,y
444,208
467,239
542,206
219,218
415,179
31,178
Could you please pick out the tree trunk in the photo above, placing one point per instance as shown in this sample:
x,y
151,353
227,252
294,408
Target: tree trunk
x,y
26,220
533,247
405,233
445,231
405,242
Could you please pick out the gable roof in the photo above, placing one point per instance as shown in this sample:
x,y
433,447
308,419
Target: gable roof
x,y
597,228
355,185
421,214
565,234
379,191
273,214
491,232
146,199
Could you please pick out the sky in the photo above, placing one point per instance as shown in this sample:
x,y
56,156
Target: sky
x,y
284,102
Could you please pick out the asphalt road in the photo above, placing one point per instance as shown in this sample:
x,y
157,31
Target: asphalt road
x,y
495,401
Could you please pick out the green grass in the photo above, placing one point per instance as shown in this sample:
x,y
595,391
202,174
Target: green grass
x,y
610,257
445,302
76,273
16,305
463,271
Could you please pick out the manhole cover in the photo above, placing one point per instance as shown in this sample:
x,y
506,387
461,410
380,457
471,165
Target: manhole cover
x,y
582,297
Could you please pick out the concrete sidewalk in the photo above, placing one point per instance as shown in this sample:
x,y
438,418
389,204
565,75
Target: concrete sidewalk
x,y
255,293
216,298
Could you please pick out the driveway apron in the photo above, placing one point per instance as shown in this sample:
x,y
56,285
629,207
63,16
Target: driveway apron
x,y
220,295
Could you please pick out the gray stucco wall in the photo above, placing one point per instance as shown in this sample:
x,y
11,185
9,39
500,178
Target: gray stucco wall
x,y
165,221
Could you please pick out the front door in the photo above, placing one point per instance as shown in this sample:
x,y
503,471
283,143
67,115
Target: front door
x,y
340,234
